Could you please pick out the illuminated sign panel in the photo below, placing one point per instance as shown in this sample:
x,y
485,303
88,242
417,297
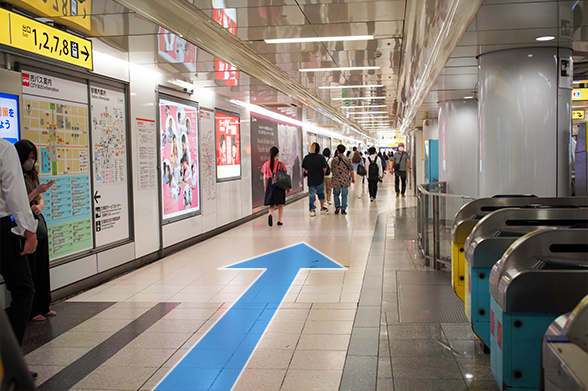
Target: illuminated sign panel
x,y
578,114
9,127
580,94
38,38
73,13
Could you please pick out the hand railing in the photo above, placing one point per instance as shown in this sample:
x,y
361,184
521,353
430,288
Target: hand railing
x,y
435,212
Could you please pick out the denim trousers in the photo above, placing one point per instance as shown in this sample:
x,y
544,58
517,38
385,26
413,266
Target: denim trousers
x,y
319,191
343,191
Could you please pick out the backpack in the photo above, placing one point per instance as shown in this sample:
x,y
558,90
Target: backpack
x,y
373,169
328,171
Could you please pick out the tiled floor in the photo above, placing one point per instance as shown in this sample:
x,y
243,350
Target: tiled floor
x,y
359,328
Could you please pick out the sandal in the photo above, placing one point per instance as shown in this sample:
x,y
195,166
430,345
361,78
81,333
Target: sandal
x,y
38,318
51,313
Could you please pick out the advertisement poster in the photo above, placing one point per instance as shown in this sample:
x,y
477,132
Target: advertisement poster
x,y
109,156
9,127
266,133
226,17
176,50
228,146
208,159
179,156
59,129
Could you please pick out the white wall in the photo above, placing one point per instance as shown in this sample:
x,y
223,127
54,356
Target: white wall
x,y
431,129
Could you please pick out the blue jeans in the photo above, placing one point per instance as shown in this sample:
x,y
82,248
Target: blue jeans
x,y
319,190
343,202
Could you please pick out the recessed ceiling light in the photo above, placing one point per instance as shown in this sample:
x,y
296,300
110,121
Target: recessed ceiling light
x,y
368,112
321,39
468,97
338,69
361,97
529,55
545,38
341,87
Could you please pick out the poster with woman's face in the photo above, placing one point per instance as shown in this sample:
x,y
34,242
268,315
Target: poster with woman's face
x,y
228,146
179,156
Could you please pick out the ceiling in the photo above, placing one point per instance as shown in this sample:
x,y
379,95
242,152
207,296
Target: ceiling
x,y
425,49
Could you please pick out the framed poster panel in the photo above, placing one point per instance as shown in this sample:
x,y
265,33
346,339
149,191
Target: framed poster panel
x,y
9,117
228,145
180,178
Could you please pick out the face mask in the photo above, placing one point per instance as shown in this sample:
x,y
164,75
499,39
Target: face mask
x,y
401,149
28,165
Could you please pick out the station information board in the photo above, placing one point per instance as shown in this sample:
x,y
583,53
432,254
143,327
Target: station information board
x,y
59,129
38,38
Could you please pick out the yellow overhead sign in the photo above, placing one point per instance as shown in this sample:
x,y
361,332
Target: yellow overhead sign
x,y
38,38
72,13
580,94
578,114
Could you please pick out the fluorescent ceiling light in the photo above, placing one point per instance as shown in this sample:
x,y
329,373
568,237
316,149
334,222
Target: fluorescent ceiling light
x,y
369,112
577,82
337,69
321,39
341,87
362,107
468,97
361,97
545,38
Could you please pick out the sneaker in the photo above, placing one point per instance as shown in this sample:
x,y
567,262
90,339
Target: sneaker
x,y
343,212
371,199
337,210
397,195
270,220
324,209
313,213
403,196
280,223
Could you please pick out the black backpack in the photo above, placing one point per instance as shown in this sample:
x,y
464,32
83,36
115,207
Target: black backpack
x,y
373,169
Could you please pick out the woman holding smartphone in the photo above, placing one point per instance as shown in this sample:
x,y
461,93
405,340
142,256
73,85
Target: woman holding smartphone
x,y
39,260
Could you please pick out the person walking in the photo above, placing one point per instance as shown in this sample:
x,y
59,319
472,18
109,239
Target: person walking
x,y
315,166
39,260
328,176
374,172
342,169
18,239
357,161
274,196
400,164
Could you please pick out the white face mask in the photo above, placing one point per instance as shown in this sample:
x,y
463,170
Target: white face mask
x,y
401,149
28,165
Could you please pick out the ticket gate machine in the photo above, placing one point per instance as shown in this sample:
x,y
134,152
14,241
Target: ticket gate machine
x,y
565,351
469,215
541,276
488,241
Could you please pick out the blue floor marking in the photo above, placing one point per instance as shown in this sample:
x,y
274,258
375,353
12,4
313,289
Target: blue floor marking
x,y
217,360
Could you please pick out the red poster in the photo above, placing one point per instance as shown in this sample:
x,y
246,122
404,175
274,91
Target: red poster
x,y
228,146
179,156
226,17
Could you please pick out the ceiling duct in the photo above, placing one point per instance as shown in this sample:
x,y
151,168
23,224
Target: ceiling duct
x,y
190,23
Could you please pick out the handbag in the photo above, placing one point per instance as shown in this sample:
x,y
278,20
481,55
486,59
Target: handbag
x,y
361,170
397,165
41,226
281,179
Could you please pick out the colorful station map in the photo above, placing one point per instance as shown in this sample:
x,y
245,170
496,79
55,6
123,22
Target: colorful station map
x,y
109,146
60,131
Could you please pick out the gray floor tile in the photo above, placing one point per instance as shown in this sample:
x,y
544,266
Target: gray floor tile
x,y
304,380
416,331
113,378
467,348
417,348
367,316
458,331
425,368
364,341
385,385
430,385
482,385
476,368
384,367
139,358
359,374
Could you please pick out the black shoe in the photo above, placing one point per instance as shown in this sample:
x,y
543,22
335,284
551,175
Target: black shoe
x,y
270,220
280,223
33,375
343,212
337,210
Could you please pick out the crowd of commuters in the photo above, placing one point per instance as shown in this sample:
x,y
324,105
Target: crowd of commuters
x,y
330,174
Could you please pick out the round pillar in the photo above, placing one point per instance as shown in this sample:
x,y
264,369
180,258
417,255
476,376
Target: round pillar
x,y
525,121
458,146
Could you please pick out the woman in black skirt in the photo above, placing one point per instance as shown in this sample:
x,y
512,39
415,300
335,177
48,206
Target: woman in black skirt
x,y
273,195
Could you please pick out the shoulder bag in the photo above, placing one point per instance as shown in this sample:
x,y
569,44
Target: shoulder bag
x,y
281,179
361,170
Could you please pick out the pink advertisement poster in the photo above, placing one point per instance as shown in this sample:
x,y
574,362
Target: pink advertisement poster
x,y
179,156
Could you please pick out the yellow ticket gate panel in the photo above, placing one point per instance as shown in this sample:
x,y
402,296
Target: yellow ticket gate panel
x,y
458,260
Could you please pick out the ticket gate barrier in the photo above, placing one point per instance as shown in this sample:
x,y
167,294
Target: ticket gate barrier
x,y
541,276
565,351
469,215
488,241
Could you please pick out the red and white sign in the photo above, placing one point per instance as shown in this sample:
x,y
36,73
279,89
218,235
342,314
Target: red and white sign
x,y
226,17
228,146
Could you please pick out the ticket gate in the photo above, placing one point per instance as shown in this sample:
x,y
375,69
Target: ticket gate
x,y
541,276
565,351
469,215
488,241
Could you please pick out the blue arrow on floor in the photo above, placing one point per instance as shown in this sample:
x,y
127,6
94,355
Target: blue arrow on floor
x,y
217,360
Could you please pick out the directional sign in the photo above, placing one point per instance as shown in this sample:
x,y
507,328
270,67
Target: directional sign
x,y
38,38
217,360
579,114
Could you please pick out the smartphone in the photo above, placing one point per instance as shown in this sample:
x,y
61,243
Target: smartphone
x,y
20,244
